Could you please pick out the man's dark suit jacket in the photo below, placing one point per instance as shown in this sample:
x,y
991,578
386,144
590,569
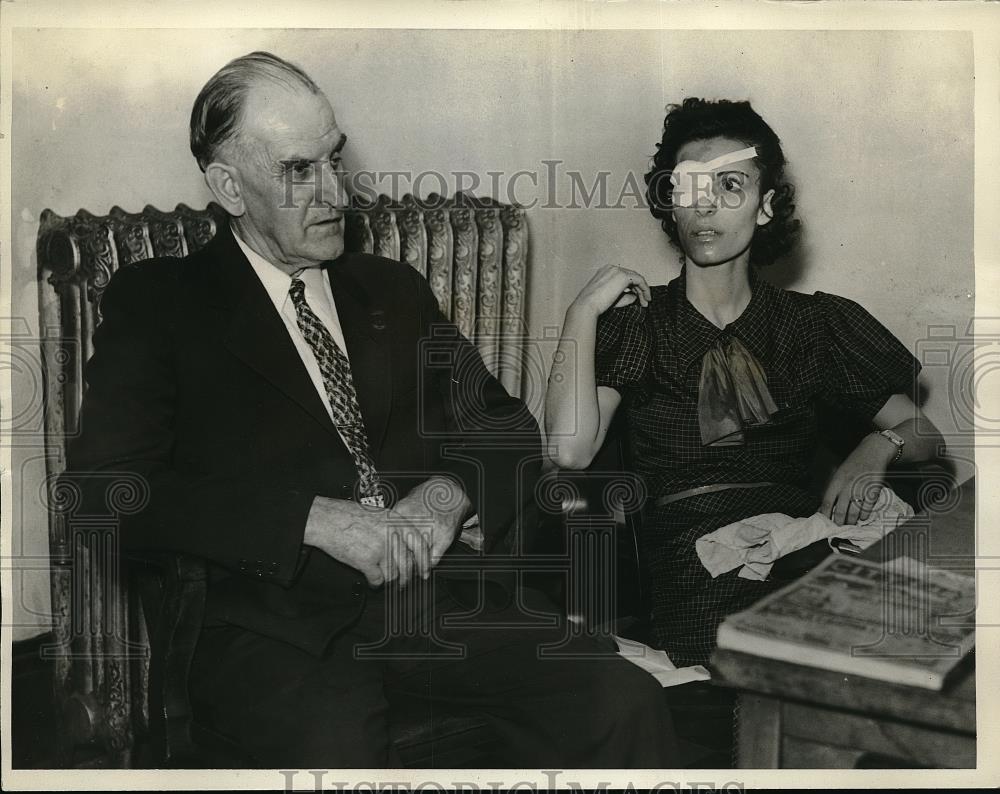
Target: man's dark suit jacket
x,y
195,386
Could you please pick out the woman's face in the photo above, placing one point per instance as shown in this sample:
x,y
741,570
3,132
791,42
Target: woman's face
x,y
720,226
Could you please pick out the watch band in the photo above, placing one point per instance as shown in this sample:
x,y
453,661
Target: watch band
x,y
894,438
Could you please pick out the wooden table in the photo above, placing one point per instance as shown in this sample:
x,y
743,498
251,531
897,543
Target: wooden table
x,y
797,717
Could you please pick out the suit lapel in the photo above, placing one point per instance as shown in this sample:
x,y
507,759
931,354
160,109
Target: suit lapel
x,y
362,319
255,332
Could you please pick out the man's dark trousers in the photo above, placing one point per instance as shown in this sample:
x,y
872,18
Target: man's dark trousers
x,y
554,698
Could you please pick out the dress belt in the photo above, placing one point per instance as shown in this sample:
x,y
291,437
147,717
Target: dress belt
x,y
660,501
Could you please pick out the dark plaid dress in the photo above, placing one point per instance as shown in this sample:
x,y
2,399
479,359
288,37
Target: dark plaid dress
x,y
812,348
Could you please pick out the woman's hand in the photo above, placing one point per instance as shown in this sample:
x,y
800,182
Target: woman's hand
x,y
855,486
612,285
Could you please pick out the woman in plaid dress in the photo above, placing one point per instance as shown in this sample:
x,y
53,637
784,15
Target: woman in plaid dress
x,y
721,375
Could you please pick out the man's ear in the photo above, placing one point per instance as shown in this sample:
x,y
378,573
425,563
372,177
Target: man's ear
x,y
224,183
765,213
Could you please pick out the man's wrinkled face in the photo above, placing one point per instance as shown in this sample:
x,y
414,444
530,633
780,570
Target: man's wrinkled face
x,y
287,160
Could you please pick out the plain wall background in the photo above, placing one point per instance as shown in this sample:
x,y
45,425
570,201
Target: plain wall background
x,y
877,126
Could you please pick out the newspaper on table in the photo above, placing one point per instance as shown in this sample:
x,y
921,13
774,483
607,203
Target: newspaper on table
x,y
902,621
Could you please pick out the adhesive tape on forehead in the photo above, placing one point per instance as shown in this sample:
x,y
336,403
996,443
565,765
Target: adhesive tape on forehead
x,y
693,178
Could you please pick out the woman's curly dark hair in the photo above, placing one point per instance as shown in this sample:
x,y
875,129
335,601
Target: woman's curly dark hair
x,y
699,119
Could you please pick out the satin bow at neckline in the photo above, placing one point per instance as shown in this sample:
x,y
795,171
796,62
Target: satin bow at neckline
x,y
732,393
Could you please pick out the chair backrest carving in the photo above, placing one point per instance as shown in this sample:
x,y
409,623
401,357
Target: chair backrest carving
x,y
472,251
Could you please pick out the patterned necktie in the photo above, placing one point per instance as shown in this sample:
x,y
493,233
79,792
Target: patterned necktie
x,y
336,372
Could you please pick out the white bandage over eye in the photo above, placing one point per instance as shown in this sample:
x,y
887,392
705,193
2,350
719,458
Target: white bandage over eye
x,y
693,179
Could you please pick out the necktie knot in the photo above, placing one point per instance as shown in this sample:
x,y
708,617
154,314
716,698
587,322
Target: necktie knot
x,y
297,290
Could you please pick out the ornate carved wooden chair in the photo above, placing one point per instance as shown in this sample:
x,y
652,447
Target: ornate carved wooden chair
x,y
125,634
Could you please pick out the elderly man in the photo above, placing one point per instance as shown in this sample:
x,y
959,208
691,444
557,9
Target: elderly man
x,y
283,402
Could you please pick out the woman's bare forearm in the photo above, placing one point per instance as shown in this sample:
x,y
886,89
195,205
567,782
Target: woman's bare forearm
x,y
574,424
922,440
577,410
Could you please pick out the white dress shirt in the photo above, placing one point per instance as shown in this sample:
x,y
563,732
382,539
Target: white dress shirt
x,y
319,296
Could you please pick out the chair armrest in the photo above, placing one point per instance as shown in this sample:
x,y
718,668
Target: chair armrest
x,y
606,497
597,516
584,494
172,589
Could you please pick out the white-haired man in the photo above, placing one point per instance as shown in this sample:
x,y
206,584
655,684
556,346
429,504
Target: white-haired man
x,y
279,398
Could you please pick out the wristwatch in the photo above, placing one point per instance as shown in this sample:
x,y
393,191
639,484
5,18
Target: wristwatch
x,y
896,439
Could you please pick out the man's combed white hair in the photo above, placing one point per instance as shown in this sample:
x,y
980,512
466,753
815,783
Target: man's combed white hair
x,y
218,111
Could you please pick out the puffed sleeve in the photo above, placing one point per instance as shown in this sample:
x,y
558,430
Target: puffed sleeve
x,y
865,364
624,348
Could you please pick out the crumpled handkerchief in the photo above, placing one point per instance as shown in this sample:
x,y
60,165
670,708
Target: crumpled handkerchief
x,y
756,542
